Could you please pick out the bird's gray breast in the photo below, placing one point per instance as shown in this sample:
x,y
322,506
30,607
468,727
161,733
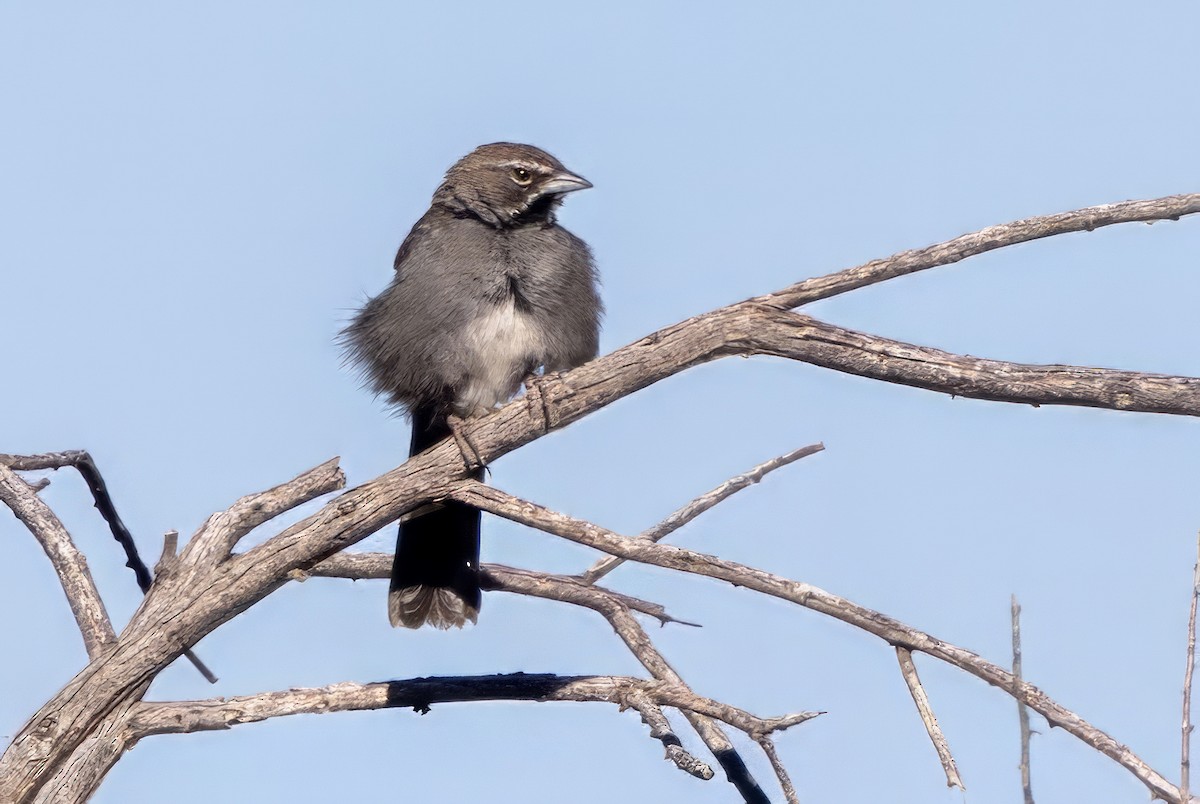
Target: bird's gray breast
x,y
505,339
500,346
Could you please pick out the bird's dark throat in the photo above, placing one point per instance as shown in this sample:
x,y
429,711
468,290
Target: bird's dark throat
x,y
541,210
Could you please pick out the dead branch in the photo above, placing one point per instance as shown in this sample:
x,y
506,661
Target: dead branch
x,y
69,564
83,463
701,504
928,718
221,533
1023,711
785,781
1185,761
660,729
1088,219
179,717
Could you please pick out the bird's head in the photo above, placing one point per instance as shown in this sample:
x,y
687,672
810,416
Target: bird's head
x,y
506,184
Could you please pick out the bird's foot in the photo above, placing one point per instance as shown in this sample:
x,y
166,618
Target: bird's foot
x,y
466,448
540,390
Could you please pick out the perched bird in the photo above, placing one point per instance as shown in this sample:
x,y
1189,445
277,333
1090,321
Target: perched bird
x,y
488,288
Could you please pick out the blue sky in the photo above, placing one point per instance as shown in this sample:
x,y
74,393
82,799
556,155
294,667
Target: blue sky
x,y
195,199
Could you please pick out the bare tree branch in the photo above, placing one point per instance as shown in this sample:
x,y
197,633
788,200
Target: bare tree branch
x,y
1023,712
178,717
1172,207
660,729
495,578
799,337
701,504
928,718
1185,761
82,462
69,564
890,630
785,781
46,460
221,532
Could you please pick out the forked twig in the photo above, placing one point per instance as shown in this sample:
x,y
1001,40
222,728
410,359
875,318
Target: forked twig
x,y
701,504
82,462
69,564
660,729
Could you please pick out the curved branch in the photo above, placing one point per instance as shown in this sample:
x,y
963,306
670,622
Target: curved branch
x,y
917,690
68,562
1171,207
701,504
222,532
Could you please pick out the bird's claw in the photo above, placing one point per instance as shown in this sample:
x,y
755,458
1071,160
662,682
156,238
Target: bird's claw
x,y
466,448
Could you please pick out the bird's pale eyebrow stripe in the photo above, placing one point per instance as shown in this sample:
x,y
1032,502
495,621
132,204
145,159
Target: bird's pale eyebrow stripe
x,y
520,163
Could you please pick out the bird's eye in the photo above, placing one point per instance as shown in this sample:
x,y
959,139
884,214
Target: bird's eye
x,y
521,176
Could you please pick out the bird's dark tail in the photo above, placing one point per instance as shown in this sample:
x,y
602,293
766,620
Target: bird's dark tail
x,y
435,575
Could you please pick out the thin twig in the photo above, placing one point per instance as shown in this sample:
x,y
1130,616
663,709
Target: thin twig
x,y
785,781
660,729
1171,207
493,577
108,510
215,539
1022,710
69,564
925,710
701,504
1185,762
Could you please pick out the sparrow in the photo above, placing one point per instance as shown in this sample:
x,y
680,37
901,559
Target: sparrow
x,y
488,289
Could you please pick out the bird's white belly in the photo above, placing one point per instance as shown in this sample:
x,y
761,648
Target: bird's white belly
x,y
502,346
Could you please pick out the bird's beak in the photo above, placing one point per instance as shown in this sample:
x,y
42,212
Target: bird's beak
x,y
564,183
